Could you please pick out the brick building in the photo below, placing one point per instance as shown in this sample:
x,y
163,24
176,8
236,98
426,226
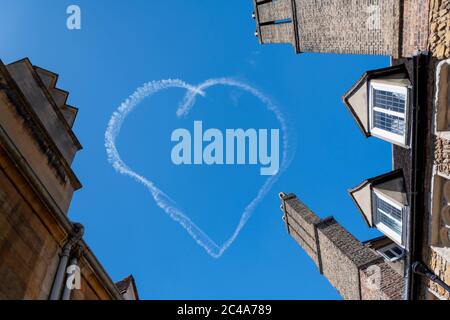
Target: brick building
x,y
42,253
383,27
356,270
405,104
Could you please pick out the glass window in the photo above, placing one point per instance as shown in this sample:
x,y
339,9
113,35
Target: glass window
x,y
388,217
388,105
391,252
388,122
389,100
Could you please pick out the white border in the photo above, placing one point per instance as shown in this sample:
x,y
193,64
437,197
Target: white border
x,y
397,238
383,134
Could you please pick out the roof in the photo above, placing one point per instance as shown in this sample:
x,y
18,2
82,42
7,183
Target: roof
x,y
124,284
373,182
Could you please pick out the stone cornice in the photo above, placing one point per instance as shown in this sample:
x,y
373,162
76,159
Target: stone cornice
x,y
47,94
37,129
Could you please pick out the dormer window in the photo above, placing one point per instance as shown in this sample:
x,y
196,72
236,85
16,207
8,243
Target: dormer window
x,y
388,106
380,104
388,216
383,203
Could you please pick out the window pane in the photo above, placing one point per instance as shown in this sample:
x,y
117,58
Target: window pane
x,y
389,100
391,223
389,215
388,209
389,122
389,254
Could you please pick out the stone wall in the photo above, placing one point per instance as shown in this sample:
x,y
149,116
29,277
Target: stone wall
x,y
442,155
441,267
439,37
34,196
28,253
437,154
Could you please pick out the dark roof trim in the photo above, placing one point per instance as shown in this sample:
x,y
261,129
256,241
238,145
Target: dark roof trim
x,y
255,5
125,283
370,241
373,182
418,160
295,24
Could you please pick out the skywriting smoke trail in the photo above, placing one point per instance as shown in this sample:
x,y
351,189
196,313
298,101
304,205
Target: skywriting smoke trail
x,y
163,200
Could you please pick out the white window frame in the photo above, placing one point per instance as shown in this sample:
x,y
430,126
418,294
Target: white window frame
x,y
396,257
378,132
380,225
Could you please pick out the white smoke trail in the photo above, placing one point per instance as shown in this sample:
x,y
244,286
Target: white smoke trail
x,y
163,200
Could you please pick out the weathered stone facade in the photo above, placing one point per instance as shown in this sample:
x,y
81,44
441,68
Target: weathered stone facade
x,y
441,267
439,36
37,147
442,155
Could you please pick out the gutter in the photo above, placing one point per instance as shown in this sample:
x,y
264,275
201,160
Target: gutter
x,y
100,271
417,164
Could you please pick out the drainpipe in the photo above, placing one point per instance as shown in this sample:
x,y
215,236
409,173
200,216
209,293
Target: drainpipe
x,y
75,236
67,289
420,269
74,264
417,147
412,211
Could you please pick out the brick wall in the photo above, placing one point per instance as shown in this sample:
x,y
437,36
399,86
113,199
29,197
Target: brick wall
x,y
415,26
342,256
301,223
357,26
338,255
388,284
334,26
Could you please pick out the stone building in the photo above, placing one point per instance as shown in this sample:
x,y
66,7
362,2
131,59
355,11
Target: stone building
x,y
405,104
42,253
384,27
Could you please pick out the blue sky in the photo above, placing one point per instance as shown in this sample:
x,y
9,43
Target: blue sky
x,y
122,45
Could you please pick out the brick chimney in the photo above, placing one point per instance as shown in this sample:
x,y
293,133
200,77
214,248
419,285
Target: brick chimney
x,y
332,26
356,271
